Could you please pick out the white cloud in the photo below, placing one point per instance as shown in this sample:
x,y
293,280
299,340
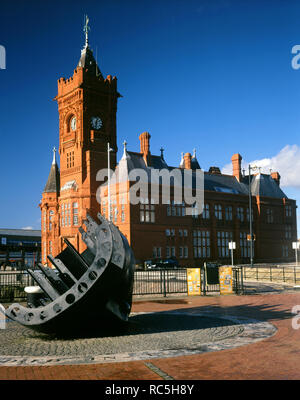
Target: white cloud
x,y
286,162
29,228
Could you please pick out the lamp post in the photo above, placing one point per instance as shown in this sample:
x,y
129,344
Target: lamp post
x,y
250,215
296,246
231,246
109,149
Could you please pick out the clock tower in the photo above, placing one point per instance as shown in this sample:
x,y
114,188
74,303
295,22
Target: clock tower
x,y
87,107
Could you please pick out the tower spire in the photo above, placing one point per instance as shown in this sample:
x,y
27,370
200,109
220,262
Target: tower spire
x,y
53,182
54,156
86,29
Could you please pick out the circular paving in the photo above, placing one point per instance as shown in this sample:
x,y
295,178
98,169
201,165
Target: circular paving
x,y
149,335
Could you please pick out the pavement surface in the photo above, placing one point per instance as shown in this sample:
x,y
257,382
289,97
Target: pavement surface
x,y
231,337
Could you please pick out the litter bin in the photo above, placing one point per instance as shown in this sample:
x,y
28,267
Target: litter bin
x,y
212,274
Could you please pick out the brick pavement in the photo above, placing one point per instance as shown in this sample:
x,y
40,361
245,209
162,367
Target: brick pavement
x,y
277,357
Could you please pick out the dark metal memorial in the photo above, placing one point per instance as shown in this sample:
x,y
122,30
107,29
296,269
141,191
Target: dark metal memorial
x,y
87,292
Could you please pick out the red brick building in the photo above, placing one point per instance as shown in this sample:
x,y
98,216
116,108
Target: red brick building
x,y
87,106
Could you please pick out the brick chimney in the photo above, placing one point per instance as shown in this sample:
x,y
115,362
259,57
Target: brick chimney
x,y
145,146
276,177
188,161
236,166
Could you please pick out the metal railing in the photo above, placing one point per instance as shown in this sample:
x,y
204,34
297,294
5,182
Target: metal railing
x,y
149,282
160,281
273,273
12,285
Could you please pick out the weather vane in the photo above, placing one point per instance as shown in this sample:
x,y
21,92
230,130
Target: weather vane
x,y
86,30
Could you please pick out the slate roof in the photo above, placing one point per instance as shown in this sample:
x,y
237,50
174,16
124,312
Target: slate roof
x,y
264,185
53,182
20,232
88,62
194,161
261,184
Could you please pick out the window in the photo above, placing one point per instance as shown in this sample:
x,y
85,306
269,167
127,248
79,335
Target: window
x,y
122,212
288,210
173,251
172,232
69,214
70,159
185,252
168,252
75,214
173,209
288,232
115,214
205,212
50,247
156,252
223,240
180,232
180,252
169,211
44,221
176,209
147,212
66,214
218,211
270,217
45,252
168,232
51,213
245,245
62,215
228,213
285,251
240,214
201,244
185,232
195,210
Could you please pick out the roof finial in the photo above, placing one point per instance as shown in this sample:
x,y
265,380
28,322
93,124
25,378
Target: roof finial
x,y
54,156
162,152
86,29
194,153
181,165
125,154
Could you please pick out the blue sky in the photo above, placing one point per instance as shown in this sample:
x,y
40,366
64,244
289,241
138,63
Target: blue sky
x,y
214,75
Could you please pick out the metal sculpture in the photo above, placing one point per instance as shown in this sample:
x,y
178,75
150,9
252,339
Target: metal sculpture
x,y
85,292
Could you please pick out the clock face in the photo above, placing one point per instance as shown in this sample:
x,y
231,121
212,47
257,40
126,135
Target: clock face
x,y
96,122
73,123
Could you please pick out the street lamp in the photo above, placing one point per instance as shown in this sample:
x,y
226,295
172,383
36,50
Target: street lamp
x,y
109,149
231,246
296,246
250,215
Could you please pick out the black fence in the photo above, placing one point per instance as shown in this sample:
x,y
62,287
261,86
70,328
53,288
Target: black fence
x,y
277,273
150,282
12,285
160,281
210,279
